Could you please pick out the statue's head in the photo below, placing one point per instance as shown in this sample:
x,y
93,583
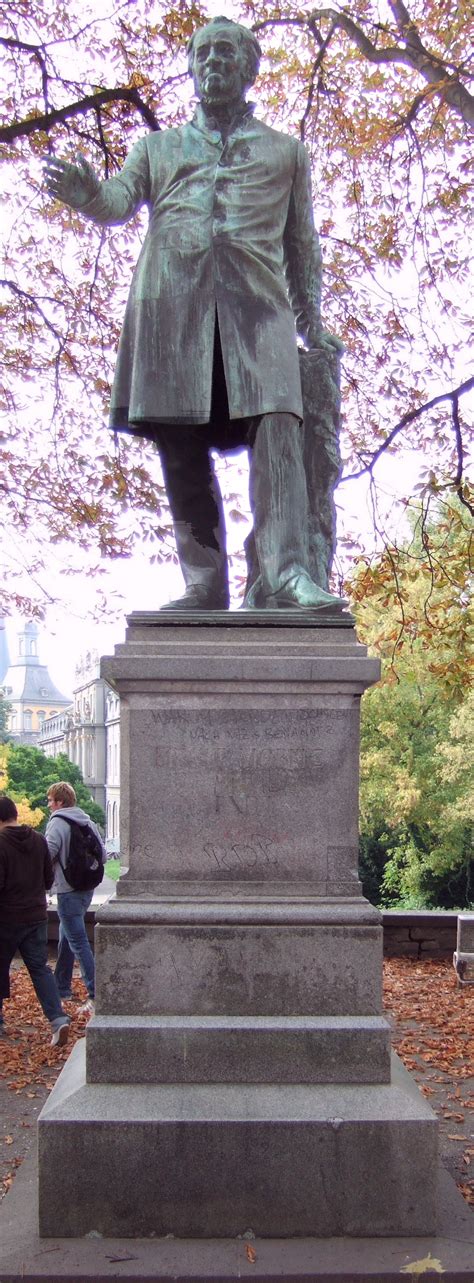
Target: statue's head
x,y
223,60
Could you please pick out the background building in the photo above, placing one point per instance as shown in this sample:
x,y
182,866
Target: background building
x,y
29,689
85,735
86,728
79,731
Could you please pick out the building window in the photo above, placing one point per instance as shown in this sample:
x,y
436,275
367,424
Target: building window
x,y
27,720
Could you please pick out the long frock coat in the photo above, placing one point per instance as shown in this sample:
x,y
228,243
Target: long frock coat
x,y
231,234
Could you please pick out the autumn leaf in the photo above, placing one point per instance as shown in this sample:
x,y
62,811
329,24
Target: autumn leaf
x,y
415,1268
250,1253
467,1192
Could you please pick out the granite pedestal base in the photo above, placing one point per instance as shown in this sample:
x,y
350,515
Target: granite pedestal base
x,y
188,1159
236,1074
25,1258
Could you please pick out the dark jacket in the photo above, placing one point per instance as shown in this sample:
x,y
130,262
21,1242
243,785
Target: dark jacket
x,y
26,873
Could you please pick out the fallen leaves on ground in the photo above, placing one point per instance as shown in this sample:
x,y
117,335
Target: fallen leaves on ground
x,y
29,1066
433,1033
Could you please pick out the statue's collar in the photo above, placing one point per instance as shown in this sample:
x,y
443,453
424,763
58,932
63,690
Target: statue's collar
x,y
209,124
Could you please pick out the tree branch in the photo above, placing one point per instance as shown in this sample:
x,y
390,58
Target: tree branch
x,y
460,454
32,302
411,417
433,70
412,54
323,45
22,128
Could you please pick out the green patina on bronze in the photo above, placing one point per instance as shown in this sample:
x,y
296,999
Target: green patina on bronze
x,y
228,276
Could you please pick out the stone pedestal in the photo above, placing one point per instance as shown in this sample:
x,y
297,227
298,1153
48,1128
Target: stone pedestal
x,y
237,1073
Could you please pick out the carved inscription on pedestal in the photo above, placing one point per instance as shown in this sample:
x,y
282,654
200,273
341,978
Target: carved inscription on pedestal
x,y
253,795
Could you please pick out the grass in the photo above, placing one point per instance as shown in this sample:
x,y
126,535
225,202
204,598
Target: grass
x,y
112,868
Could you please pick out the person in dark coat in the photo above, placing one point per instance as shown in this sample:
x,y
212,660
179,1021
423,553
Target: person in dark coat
x,y
228,276
26,874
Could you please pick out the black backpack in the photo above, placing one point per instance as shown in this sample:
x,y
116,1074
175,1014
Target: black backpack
x,y
84,864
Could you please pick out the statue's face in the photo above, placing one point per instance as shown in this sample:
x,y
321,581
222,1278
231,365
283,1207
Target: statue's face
x,y
218,67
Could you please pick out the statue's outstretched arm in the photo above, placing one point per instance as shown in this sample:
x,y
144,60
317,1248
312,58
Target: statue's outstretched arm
x,y
110,202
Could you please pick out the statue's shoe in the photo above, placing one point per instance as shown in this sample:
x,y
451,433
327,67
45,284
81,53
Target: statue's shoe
x,y
254,598
301,592
199,597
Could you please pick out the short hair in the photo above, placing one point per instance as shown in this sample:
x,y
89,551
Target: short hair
x,y
247,40
63,793
8,810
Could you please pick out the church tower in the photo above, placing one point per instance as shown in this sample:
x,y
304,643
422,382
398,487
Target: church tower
x,y
29,689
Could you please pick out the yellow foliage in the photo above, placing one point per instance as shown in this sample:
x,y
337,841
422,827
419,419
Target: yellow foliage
x,y
3,767
27,814
386,786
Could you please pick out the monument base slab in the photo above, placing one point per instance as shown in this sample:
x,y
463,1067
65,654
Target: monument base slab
x,y
201,1161
25,1258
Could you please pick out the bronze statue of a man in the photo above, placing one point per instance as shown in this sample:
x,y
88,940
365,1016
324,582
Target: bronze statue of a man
x,y
228,276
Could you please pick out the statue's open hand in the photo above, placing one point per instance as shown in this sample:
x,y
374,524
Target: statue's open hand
x,y
328,342
75,184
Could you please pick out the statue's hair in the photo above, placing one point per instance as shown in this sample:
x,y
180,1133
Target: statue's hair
x,y
249,43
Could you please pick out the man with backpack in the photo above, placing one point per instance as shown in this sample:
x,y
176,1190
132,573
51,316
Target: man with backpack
x,y
78,856
26,875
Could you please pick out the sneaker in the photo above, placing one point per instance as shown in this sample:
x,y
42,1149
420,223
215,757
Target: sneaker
x,y
88,1008
60,1035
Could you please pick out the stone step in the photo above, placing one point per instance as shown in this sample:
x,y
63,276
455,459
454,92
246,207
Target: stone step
x,y
259,1049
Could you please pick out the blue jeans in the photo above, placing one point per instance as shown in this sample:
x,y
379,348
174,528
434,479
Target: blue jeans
x,y
73,942
32,944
